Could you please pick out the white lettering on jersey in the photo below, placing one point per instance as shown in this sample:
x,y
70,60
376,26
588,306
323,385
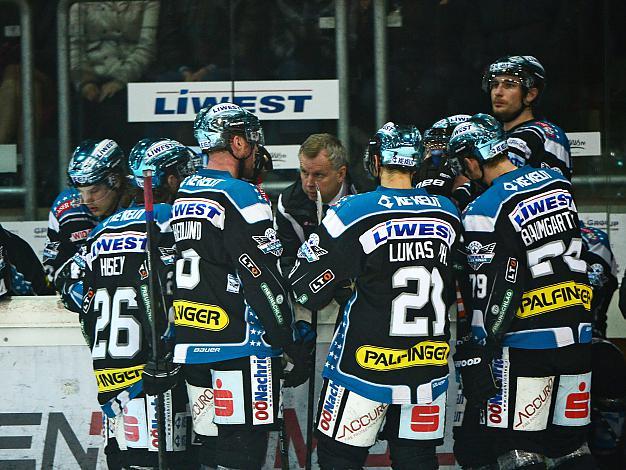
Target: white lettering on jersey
x,y
113,266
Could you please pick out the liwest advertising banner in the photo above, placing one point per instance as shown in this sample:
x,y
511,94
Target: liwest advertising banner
x,y
269,100
49,415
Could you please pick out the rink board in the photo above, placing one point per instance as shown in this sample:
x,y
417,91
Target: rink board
x,y
49,416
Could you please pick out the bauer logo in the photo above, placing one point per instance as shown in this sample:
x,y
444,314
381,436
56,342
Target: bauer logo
x,y
109,380
201,316
269,100
409,228
425,353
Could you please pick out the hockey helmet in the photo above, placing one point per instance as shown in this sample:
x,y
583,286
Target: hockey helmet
x,y
95,162
436,137
526,67
397,146
215,126
161,155
481,137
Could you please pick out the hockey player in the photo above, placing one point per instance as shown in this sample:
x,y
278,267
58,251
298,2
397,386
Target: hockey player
x,y
602,272
97,178
531,302
116,314
21,272
435,174
388,357
232,314
515,85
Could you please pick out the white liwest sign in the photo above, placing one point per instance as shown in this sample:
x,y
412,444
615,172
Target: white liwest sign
x,y
269,100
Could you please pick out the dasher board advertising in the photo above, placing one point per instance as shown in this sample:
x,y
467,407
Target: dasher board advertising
x,y
269,100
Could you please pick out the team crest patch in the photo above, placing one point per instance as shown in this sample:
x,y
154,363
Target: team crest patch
x,y
479,254
168,255
311,250
269,243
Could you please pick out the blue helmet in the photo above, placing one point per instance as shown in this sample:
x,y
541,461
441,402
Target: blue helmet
x,y
481,137
526,67
396,145
215,126
161,155
95,162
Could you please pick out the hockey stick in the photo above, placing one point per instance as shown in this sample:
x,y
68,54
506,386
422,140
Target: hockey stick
x,y
311,395
151,311
284,444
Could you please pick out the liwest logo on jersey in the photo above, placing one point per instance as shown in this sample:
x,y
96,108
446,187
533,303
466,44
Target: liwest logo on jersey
x,y
124,242
409,228
198,208
536,206
554,297
115,379
202,316
425,353
262,400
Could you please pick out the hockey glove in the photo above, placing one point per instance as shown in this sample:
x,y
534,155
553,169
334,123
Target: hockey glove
x,y
300,353
474,362
160,376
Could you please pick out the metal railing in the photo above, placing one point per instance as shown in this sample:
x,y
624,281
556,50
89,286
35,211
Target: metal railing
x,y
27,189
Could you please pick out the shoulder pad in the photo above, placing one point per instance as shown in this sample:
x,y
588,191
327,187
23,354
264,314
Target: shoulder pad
x,y
68,201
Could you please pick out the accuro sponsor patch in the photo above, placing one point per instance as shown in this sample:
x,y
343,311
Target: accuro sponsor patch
x,y
198,315
250,265
425,353
554,297
109,380
321,281
532,403
360,421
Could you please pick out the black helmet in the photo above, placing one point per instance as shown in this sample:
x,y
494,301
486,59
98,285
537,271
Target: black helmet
x,y
526,67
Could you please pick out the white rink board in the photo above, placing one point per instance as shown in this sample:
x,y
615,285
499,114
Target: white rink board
x,y
49,405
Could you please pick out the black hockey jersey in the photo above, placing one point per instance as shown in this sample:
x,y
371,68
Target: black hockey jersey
x,y
229,301
523,244
392,343
69,224
116,310
540,144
